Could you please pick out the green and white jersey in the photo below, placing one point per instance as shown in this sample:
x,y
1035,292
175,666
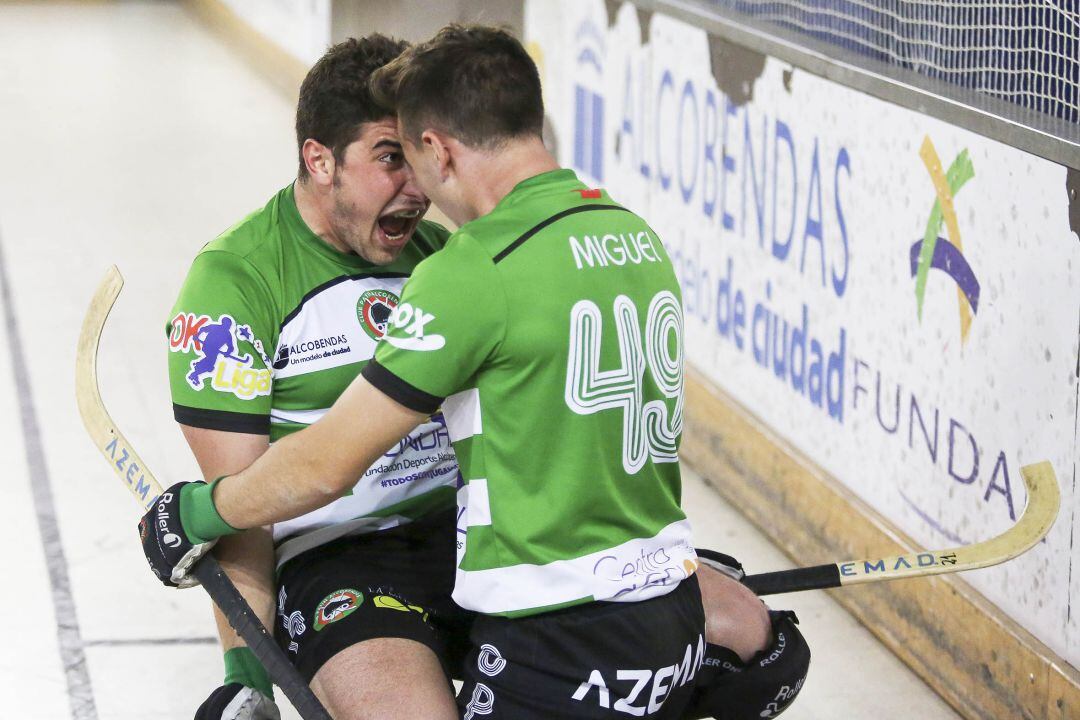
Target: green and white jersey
x,y
553,329
271,325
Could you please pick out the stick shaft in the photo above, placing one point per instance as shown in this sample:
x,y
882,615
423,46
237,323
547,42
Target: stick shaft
x,y
127,464
817,577
243,619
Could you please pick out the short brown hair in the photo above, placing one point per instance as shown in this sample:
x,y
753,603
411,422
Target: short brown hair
x,y
335,99
474,82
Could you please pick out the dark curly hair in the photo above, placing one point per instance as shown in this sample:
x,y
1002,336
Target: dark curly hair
x,y
334,97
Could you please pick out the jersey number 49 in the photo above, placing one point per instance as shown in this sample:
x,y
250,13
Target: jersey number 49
x,y
650,430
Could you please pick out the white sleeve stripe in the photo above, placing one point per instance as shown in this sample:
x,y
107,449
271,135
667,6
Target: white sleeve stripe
x,y
304,417
462,413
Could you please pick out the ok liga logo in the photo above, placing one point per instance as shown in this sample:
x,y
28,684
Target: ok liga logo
x,y
945,253
217,356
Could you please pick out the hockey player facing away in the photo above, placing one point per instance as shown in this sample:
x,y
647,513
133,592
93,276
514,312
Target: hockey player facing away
x,y
561,382
275,319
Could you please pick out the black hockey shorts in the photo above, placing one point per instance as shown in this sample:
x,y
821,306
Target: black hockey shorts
x,y
601,660
393,583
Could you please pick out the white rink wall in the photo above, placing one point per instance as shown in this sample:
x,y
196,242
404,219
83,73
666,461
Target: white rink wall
x,y
299,27
792,207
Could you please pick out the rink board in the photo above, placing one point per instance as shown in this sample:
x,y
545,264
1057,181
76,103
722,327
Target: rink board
x,y
895,299
983,663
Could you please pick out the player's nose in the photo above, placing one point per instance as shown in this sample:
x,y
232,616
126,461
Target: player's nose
x,y
410,188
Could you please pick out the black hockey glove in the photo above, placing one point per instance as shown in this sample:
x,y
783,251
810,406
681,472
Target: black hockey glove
x,y
237,702
169,550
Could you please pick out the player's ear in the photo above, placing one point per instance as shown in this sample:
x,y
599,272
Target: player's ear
x,y
437,144
319,161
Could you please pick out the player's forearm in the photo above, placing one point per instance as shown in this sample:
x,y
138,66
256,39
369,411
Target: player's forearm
x,y
297,475
306,470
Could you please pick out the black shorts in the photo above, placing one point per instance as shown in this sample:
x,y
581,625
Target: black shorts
x,y
393,583
602,660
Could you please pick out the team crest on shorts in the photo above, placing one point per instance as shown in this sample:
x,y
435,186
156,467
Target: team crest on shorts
x,y
373,311
337,606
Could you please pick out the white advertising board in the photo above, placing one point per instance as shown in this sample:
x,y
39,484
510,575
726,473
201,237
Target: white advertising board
x,y
895,296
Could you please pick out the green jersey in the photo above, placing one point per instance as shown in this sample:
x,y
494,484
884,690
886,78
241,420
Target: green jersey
x,y
271,325
553,329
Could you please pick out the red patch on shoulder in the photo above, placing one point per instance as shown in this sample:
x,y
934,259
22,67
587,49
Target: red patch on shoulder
x,y
590,194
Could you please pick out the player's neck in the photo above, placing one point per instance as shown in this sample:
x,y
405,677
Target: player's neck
x,y
493,175
314,214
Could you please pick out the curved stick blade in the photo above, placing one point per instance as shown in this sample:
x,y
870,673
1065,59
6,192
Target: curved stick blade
x,y
1043,503
110,441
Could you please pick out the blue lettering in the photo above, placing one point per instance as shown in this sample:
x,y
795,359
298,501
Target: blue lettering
x,y
739,319
840,283
813,228
143,488
581,109
724,309
798,352
708,200
896,418
760,329
688,94
912,413
728,166
869,567
970,477
759,191
666,82
779,346
835,379
783,132
859,387
815,378
848,569
1001,467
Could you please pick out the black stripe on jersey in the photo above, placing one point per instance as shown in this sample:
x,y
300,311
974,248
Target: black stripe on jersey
x,y
331,283
554,218
226,420
398,390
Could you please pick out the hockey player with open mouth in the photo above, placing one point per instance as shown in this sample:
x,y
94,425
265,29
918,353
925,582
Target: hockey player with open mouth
x,y
558,370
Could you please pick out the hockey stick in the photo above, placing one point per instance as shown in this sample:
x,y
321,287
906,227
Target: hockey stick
x,y
133,471
1043,501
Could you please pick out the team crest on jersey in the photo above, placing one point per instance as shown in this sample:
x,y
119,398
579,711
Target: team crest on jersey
x,y
338,605
217,355
373,310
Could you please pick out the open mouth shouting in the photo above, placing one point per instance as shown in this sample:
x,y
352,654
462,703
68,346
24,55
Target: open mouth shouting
x,y
397,227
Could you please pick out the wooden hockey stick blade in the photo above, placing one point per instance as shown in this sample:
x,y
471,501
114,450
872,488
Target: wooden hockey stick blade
x,y
141,482
1043,502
